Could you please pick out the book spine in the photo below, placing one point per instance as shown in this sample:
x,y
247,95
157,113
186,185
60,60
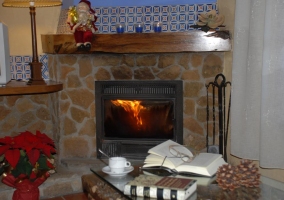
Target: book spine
x,y
154,192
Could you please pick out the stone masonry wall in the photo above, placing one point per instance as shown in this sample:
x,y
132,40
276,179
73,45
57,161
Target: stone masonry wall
x,y
69,117
30,112
77,100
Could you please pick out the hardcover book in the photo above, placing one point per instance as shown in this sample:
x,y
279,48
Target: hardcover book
x,y
161,187
179,159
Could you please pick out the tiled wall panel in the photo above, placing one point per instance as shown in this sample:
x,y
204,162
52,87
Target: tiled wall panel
x,y
173,18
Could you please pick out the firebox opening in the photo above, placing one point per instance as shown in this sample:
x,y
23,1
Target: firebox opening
x,y
135,115
129,119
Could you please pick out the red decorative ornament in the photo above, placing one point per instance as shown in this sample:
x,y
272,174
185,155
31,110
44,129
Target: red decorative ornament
x,y
81,19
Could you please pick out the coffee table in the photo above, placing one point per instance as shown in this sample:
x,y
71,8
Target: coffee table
x,y
101,186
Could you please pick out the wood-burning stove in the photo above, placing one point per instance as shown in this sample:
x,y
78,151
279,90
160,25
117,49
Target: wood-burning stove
x,y
134,116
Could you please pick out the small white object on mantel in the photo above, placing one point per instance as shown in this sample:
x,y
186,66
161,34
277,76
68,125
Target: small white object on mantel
x,y
5,70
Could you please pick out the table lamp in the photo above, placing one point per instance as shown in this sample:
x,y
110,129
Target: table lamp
x,y
36,74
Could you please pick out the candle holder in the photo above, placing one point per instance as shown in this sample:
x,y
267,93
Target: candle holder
x,y
157,27
120,28
139,28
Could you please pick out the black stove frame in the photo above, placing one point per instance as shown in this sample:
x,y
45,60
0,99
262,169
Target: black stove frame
x,y
134,148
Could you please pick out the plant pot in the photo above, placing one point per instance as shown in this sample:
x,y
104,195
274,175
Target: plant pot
x,y
25,189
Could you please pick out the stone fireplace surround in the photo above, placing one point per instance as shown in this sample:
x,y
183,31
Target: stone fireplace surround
x,y
68,116
77,105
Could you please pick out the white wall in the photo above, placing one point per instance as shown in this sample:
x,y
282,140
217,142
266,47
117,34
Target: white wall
x,y
19,26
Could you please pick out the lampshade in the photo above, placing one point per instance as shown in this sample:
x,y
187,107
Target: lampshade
x,y
28,3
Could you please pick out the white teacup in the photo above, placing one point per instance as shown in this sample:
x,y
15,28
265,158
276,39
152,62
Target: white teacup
x,y
117,164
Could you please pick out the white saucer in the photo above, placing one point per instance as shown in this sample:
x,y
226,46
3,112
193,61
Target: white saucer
x,y
106,169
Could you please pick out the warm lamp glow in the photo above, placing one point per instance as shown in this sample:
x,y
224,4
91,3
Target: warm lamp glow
x,y
26,3
36,74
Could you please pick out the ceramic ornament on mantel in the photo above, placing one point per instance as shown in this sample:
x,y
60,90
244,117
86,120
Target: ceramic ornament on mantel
x,y
209,21
81,19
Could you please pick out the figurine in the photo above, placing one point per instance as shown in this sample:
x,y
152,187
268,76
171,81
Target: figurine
x,y
81,19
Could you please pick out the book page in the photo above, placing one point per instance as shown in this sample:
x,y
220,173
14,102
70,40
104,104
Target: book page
x,y
204,159
163,150
204,164
154,160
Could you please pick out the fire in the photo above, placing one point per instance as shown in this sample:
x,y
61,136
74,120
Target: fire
x,y
131,107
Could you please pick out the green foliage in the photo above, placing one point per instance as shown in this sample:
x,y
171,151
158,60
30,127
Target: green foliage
x,y
23,166
42,163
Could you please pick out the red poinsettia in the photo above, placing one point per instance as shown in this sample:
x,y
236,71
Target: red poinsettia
x,y
26,154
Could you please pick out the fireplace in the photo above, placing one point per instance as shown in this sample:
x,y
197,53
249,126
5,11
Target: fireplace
x,y
134,116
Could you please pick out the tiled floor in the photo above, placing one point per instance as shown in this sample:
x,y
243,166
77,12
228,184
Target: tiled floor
x,y
78,196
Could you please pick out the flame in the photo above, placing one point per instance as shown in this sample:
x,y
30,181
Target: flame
x,y
132,107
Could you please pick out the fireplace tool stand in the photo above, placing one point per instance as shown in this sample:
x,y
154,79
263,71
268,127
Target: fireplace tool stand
x,y
219,85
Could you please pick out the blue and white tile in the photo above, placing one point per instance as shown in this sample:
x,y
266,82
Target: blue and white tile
x,y
157,18
122,10
192,8
165,9
156,9
130,19
139,19
174,27
164,18
201,8
113,10
113,20
130,28
139,10
131,10
148,10
182,26
148,18
183,9
174,17
147,27
122,19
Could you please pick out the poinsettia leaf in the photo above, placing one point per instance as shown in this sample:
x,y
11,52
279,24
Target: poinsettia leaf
x,y
23,153
44,138
6,140
33,156
47,150
15,172
3,149
42,163
23,166
33,175
12,156
49,164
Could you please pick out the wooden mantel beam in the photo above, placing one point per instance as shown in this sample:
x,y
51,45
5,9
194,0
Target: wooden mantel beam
x,y
165,42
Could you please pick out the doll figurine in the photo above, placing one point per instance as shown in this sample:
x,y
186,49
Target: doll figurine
x,y
81,19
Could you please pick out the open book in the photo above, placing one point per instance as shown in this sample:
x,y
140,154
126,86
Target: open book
x,y
172,155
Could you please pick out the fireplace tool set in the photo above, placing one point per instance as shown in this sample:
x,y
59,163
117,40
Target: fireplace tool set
x,y
219,86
